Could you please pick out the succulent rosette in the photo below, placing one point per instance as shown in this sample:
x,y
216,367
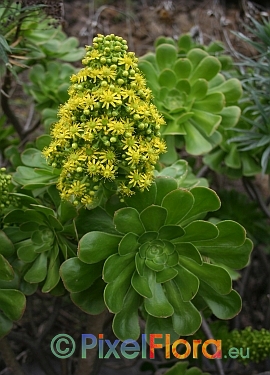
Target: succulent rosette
x,y
161,261
193,95
109,130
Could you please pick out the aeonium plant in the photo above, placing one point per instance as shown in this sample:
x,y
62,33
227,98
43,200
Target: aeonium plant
x,y
144,248
162,262
193,95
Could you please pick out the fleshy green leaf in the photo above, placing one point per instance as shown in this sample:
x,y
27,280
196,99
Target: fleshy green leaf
x,y
198,89
140,284
214,276
188,250
153,217
166,275
116,291
222,306
128,244
206,121
96,246
186,318
231,234
164,186
231,89
126,322
199,230
182,68
196,143
141,200
127,220
205,200
213,103
206,69
158,304
166,55
5,325
90,300
115,265
53,276
167,78
12,303
170,232
38,270
78,276
178,198
147,237
6,271
187,283
235,257
27,253
6,246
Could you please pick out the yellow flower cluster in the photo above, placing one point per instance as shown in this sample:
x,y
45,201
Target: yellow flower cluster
x,y
108,130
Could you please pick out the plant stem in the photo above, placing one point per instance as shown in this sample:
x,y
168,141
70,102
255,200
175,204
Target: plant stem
x,y
9,357
94,325
6,108
207,331
36,350
255,194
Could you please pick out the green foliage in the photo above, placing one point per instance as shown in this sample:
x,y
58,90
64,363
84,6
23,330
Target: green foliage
x,y
39,38
162,261
181,368
252,218
49,83
192,94
30,39
258,341
245,149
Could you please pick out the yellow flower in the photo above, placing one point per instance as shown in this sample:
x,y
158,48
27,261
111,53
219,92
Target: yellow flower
x,y
129,143
160,145
146,181
108,97
82,75
128,61
77,188
75,130
108,171
87,200
93,167
135,178
140,80
94,73
93,126
94,54
130,94
116,127
64,193
88,102
107,156
107,73
134,156
125,190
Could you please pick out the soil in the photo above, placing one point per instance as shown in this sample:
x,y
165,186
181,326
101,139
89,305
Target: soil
x,y
140,22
